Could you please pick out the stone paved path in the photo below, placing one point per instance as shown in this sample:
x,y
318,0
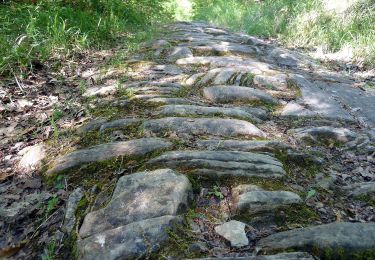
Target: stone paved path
x,y
243,148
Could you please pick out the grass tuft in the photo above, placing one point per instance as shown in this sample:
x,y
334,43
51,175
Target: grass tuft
x,y
318,24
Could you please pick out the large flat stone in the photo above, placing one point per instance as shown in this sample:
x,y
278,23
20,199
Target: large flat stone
x,y
359,103
172,101
223,48
138,197
236,94
186,110
104,152
276,82
361,189
282,256
120,123
132,241
241,145
224,61
324,135
336,239
316,101
339,238
225,76
179,53
262,201
222,164
202,126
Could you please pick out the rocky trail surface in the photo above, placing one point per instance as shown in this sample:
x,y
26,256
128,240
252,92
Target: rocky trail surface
x,y
215,145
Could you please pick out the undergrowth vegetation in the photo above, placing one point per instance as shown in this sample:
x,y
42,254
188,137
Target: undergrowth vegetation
x,y
34,31
330,26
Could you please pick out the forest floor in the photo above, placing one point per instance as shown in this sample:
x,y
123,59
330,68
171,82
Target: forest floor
x,y
206,143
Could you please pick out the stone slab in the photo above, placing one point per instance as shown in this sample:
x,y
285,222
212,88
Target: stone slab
x,y
236,94
186,110
222,164
202,126
141,196
107,151
339,238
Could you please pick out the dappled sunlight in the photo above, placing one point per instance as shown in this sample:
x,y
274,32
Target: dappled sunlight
x,y
339,6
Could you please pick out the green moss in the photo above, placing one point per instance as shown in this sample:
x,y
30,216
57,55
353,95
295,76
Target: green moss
x,y
69,248
291,84
133,107
304,165
369,199
342,253
81,207
177,245
247,79
297,214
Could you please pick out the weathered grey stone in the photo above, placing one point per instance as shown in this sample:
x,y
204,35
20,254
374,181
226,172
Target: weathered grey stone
x,y
185,110
234,232
202,126
19,209
282,256
262,200
316,101
359,189
348,97
243,188
103,152
32,156
324,134
325,182
223,48
222,164
71,206
132,241
120,123
338,239
172,101
157,44
293,109
215,31
138,197
277,82
168,69
179,53
225,61
91,126
257,111
102,90
234,94
243,145
193,79
227,76
283,57
146,87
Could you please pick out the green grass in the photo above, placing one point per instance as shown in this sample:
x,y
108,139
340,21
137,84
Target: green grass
x,y
296,23
30,33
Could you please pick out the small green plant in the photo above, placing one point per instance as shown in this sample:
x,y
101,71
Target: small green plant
x,y
311,193
49,251
56,115
82,86
51,205
216,192
59,183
